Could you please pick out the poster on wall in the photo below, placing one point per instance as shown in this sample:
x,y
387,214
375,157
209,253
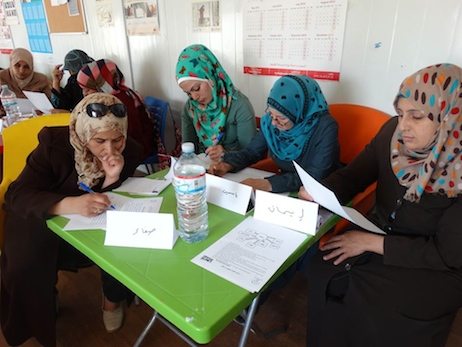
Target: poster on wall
x,y
36,26
6,40
294,37
104,12
141,17
206,15
11,12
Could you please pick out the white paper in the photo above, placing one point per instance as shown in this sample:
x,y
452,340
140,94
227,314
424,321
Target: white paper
x,y
121,203
142,185
327,199
142,230
40,101
228,194
288,212
170,175
250,253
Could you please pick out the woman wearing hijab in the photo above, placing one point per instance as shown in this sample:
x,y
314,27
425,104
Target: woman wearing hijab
x,y
94,150
402,288
104,76
217,117
21,76
66,98
297,126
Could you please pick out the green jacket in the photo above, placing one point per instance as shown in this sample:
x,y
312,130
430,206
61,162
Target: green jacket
x,y
240,126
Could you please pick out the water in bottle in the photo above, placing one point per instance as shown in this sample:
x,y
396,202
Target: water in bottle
x,y
189,183
10,105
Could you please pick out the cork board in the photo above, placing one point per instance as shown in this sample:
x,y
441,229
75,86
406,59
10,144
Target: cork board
x,y
59,20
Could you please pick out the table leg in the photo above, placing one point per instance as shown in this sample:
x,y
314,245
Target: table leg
x,y
248,321
146,330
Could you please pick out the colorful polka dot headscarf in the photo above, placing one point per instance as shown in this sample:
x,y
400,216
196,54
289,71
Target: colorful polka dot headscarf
x,y
300,99
197,62
437,91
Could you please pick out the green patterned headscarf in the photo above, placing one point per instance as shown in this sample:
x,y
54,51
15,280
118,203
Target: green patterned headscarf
x,y
197,62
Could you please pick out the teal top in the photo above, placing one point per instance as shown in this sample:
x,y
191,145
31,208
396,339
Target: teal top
x,y
240,126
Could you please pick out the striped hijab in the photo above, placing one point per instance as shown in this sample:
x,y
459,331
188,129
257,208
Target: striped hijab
x,y
437,91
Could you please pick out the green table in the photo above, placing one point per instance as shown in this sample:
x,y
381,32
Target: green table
x,y
197,302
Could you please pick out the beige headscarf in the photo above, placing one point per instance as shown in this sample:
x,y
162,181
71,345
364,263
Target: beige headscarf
x,y
83,127
22,54
437,91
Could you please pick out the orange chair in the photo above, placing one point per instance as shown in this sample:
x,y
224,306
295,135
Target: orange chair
x,y
357,126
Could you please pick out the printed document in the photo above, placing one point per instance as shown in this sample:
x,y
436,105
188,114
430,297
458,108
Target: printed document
x,y
143,186
40,101
250,253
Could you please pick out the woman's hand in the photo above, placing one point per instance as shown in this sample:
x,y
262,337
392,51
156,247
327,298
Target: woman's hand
x,y
258,183
57,74
112,164
351,244
215,153
88,205
219,168
303,194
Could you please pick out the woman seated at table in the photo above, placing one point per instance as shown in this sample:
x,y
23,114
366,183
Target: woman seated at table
x,y
66,98
217,117
93,149
104,76
21,75
297,126
405,287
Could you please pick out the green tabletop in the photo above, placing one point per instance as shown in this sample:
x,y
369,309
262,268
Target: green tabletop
x,y
196,301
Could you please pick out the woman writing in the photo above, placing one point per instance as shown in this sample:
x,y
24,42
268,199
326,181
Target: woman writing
x,y
297,126
217,117
104,76
21,75
404,288
93,150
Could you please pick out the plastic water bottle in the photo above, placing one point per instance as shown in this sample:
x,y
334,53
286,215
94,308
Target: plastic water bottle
x,y
189,183
10,105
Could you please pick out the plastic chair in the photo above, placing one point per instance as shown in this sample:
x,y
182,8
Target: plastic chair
x,y
18,142
357,126
158,109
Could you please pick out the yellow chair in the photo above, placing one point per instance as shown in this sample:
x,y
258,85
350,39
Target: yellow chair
x,y
18,142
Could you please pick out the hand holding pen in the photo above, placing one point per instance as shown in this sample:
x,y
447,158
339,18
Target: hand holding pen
x,y
216,151
96,206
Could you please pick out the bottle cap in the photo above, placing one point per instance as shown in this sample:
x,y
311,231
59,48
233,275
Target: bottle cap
x,y
187,147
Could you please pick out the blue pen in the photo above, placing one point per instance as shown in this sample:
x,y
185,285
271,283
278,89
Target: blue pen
x,y
218,138
86,188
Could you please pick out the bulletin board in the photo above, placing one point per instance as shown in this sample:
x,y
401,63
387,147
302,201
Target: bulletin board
x,y
60,21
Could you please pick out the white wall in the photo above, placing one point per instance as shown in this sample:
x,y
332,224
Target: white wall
x,y
412,33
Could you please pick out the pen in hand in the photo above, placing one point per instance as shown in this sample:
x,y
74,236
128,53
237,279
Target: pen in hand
x,y
87,189
216,141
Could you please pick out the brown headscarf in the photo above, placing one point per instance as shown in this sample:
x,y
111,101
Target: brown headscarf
x,y
83,127
437,91
22,54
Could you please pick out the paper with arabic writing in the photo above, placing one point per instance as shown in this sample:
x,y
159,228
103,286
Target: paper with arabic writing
x,y
251,253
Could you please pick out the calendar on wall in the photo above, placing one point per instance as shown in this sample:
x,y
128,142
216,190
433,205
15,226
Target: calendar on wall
x,y
294,37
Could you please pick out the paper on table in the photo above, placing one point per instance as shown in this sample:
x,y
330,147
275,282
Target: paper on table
x,y
121,203
248,172
250,253
231,195
142,185
40,101
327,199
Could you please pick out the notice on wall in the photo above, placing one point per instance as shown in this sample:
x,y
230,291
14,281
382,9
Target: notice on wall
x,y
104,11
36,25
6,40
141,17
11,12
294,37
206,15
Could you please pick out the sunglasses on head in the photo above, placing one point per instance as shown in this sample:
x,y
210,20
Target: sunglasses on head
x,y
97,110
